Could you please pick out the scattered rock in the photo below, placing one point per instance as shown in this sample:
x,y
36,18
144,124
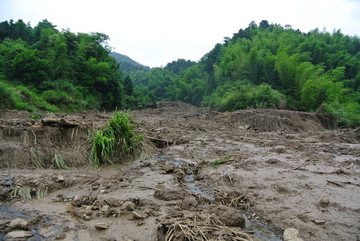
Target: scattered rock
x,y
128,206
169,194
139,215
105,208
169,168
61,235
101,226
18,223
77,202
229,216
324,202
273,161
113,202
60,178
188,203
18,235
319,221
88,210
291,234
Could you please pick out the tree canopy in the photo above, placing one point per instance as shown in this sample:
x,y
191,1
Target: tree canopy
x,y
64,70
268,66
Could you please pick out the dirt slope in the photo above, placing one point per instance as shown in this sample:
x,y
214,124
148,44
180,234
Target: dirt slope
x,y
275,170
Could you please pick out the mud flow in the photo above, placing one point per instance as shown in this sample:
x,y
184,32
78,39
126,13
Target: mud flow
x,y
203,175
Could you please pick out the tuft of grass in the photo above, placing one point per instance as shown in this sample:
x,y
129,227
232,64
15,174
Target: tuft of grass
x,y
59,162
34,116
25,192
218,162
116,140
41,193
36,159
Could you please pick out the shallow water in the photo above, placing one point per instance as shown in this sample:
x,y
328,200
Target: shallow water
x,y
259,229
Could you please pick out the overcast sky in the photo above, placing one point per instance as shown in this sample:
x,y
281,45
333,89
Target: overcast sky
x,y
155,32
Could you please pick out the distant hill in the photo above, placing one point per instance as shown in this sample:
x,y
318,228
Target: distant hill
x,y
128,65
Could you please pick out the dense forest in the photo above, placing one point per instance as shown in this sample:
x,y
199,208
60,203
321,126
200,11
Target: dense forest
x,y
43,69
127,65
268,66
262,66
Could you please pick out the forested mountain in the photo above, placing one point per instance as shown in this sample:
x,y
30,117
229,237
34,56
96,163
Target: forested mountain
x,y
42,68
127,65
262,66
269,66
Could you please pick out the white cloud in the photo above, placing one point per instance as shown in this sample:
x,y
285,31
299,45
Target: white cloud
x,y
159,31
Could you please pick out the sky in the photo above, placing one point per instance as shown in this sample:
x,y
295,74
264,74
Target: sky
x,y
156,32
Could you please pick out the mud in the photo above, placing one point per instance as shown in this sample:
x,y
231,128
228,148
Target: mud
x,y
246,175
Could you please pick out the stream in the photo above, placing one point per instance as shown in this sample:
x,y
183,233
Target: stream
x,y
260,229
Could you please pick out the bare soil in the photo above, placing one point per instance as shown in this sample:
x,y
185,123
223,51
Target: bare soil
x,y
245,175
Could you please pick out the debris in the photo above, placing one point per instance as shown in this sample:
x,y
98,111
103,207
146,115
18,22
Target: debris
x,y
101,226
139,215
18,235
291,234
229,216
60,178
128,206
319,221
159,142
18,223
324,202
198,226
105,208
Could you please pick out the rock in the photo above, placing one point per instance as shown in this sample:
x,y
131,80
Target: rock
x,y
18,234
77,201
18,223
88,210
324,202
169,194
60,178
101,226
128,206
60,236
319,221
139,215
291,234
188,203
105,208
168,168
229,216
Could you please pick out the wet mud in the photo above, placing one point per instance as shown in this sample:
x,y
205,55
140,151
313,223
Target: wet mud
x,y
245,175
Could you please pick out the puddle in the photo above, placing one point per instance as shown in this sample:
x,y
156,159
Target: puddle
x,y
259,229
42,224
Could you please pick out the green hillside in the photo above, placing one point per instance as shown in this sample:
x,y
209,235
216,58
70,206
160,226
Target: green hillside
x,y
43,69
127,65
270,66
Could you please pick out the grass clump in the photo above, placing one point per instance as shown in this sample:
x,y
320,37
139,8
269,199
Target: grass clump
x,y
117,140
59,162
219,161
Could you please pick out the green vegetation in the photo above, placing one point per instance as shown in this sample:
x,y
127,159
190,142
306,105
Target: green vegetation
x,y
261,66
220,161
59,162
127,65
43,69
267,66
116,140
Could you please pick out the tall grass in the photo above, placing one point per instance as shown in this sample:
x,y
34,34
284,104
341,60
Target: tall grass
x,y
117,140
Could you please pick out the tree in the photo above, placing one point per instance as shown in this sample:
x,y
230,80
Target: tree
x,y
128,86
29,68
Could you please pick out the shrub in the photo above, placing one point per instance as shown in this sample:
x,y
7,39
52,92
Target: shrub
x,y
116,139
6,96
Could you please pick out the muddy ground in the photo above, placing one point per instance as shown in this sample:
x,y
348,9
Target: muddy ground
x,y
202,175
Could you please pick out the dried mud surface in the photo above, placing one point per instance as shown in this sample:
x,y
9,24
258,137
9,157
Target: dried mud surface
x,y
245,175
